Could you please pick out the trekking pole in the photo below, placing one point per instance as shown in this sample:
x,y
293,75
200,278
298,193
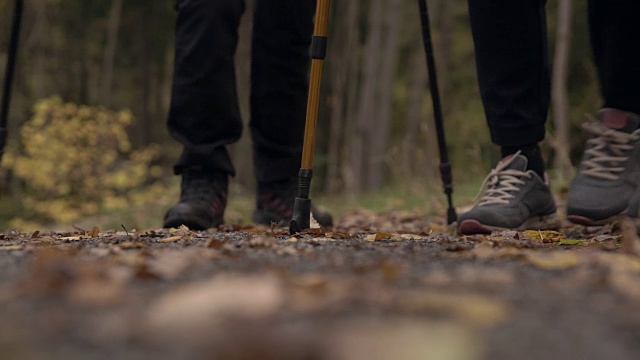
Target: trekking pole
x,y
8,78
302,207
445,166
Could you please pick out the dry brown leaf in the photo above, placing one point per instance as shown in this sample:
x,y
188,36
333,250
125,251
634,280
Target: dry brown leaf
x,y
630,239
370,237
94,232
171,239
380,236
322,239
212,243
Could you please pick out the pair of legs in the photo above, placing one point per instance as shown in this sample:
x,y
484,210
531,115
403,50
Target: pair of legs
x,y
514,76
204,113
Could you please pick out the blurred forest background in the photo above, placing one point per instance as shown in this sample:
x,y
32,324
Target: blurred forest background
x,y
87,134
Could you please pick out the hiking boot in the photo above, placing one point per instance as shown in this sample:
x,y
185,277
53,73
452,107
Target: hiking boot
x,y
607,185
203,199
274,204
514,199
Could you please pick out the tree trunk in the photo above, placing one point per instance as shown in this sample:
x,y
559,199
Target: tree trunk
x,y
353,87
417,86
560,100
384,95
338,71
110,52
144,117
367,101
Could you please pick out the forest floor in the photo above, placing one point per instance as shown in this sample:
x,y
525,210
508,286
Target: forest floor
x,y
392,286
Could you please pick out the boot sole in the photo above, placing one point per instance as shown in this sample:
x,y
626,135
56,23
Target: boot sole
x,y
544,222
585,221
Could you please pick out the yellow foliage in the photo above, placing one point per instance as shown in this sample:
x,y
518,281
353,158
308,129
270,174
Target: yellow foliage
x,y
77,161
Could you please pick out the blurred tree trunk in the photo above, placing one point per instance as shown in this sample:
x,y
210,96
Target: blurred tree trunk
x,y
110,52
380,124
417,86
338,60
144,117
560,100
367,100
353,86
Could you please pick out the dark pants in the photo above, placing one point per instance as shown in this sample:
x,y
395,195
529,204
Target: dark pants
x,y
510,39
204,114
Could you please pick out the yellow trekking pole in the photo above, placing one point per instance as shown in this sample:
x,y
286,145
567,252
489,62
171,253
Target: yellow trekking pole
x,y
302,207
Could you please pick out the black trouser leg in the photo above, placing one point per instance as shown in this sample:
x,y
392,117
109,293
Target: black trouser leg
x,y
279,82
615,38
513,69
204,114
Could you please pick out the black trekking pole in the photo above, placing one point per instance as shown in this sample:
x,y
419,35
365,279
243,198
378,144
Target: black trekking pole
x,y
8,78
302,207
445,166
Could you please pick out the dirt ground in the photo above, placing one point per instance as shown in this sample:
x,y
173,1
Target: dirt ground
x,y
374,287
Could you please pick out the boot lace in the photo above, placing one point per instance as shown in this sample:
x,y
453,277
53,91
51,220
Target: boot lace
x,y
605,155
501,184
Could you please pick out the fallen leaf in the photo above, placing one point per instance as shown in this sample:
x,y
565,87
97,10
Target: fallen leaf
x,y
630,239
546,236
382,235
94,232
379,236
313,223
171,239
571,242
216,244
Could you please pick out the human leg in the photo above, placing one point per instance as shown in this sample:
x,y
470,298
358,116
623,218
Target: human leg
x,y
281,57
608,181
513,75
204,114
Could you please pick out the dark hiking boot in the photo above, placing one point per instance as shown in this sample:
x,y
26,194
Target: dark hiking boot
x,y
274,204
202,202
607,185
513,199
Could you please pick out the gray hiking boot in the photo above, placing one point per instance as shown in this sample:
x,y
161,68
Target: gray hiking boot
x,y
203,198
607,185
514,199
275,201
